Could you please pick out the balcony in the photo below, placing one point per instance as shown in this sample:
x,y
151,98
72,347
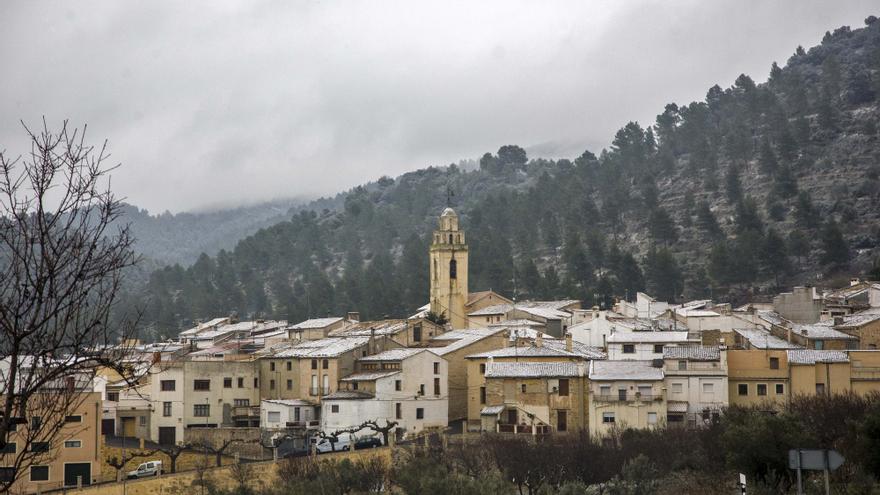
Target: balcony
x,y
318,391
524,429
245,411
303,424
627,398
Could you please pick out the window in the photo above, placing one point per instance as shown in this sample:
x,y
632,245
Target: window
x,y
677,388
40,447
36,422
522,388
39,473
675,418
314,364
256,383
422,389
608,417
241,402
682,365
437,386
326,384
436,368
7,474
227,382
708,388
354,385
272,384
72,444
605,390
453,268
271,365
398,411
112,396
420,413
819,345
658,348
774,363
742,389
9,448
201,410
273,416
820,388
482,395
314,387
202,385
652,418
167,385
166,409
417,333
289,366
621,394
762,389
629,348
780,389
289,384
240,382
325,364
142,420
73,419
482,368
563,387
334,408
397,385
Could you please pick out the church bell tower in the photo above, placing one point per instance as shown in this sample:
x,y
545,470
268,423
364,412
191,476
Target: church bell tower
x,y
449,271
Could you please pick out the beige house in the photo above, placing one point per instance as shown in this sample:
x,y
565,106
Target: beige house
x,y
203,394
74,458
315,328
757,376
625,394
388,334
696,384
865,326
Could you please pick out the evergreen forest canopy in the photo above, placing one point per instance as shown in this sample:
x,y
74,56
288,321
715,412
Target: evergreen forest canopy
x,y
757,187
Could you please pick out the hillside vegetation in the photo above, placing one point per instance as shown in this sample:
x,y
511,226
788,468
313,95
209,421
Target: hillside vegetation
x,y
756,187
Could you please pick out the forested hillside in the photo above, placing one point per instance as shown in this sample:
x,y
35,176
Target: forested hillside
x,y
756,186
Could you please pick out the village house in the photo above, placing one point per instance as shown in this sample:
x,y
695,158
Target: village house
x,y
757,338
642,346
696,383
865,326
555,316
757,377
802,305
625,394
411,332
407,385
317,328
288,414
594,331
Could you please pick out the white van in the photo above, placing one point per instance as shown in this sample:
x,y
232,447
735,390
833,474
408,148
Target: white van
x,y
323,445
149,468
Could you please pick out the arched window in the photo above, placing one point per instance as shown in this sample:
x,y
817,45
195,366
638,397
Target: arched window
x,y
453,269
450,238
435,269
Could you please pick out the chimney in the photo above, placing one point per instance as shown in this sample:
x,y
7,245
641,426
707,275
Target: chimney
x,y
853,282
595,312
353,316
568,341
371,344
539,340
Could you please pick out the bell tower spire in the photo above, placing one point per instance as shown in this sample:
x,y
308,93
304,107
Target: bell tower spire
x,y
449,269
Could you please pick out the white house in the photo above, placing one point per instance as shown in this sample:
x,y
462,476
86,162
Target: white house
x,y
696,383
406,385
287,413
642,345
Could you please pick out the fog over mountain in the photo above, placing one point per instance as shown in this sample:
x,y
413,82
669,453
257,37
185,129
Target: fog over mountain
x,y
234,103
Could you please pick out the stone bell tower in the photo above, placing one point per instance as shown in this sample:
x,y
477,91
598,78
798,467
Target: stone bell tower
x,y
449,270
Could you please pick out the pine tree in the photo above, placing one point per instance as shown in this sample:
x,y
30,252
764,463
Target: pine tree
x,y
835,252
767,158
663,275
662,226
774,255
707,221
732,183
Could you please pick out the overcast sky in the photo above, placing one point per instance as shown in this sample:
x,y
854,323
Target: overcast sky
x,y
221,103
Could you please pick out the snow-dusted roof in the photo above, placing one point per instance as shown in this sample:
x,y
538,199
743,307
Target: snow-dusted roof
x,y
549,348
329,347
692,352
812,356
369,376
696,313
347,395
772,317
519,322
367,328
624,370
462,338
491,410
762,339
820,331
858,319
495,309
289,402
394,354
647,337
316,323
534,370
547,313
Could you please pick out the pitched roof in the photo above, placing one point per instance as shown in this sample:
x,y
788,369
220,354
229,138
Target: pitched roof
x,y
820,331
348,395
762,339
316,323
473,297
495,309
647,337
327,347
692,352
624,370
289,402
367,328
368,376
394,354
462,338
533,370
491,410
812,356
549,348
858,319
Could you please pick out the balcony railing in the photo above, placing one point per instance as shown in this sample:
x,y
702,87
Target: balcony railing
x,y
524,429
319,391
627,398
304,424
246,411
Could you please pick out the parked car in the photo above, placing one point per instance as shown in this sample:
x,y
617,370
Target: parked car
x,y
146,469
323,445
367,443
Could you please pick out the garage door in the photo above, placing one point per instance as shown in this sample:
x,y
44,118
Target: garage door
x,y
167,435
74,470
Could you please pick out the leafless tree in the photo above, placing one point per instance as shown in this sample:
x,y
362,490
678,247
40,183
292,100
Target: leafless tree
x,y
384,430
173,452
220,448
118,463
62,256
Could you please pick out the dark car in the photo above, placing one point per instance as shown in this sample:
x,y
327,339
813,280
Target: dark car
x,y
367,443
